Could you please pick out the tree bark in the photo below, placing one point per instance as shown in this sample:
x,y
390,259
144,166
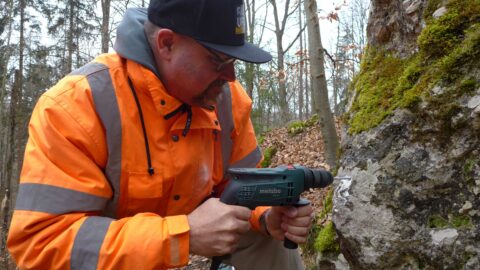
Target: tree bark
x,y
10,148
105,25
282,88
319,83
70,44
249,67
300,69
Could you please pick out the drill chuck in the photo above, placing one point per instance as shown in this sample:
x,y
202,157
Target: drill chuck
x,y
316,178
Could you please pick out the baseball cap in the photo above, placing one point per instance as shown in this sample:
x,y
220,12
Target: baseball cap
x,y
217,24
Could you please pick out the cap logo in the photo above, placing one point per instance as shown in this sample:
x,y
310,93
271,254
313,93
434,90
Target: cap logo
x,y
240,27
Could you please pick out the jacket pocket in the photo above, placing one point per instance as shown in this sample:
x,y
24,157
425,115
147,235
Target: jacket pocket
x,y
145,193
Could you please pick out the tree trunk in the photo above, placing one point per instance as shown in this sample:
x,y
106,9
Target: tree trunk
x,y
4,61
249,67
282,88
8,176
10,160
300,68
319,83
105,25
70,43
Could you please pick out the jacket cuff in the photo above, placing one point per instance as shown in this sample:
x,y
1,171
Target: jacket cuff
x,y
255,218
178,242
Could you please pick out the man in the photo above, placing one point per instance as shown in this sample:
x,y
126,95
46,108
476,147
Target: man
x,y
126,154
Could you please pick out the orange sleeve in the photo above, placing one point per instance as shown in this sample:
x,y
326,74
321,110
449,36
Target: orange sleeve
x,y
58,221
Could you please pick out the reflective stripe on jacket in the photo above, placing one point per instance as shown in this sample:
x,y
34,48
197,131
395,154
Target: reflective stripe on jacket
x,y
86,199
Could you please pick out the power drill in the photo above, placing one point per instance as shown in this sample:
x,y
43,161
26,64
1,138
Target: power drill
x,y
280,186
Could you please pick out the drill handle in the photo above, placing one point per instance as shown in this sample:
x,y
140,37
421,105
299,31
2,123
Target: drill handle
x,y
287,243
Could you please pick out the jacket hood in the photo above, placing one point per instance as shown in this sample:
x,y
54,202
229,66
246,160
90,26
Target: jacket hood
x,y
131,41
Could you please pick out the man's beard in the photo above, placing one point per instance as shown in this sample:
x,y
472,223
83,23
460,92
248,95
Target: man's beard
x,y
208,98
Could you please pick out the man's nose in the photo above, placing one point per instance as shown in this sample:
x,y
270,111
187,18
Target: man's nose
x,y
228,73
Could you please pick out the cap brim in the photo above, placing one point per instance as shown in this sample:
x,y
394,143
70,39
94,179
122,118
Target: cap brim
x,y
247,52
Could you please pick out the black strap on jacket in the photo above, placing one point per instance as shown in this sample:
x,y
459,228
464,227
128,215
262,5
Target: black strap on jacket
x,y
183,108
150,169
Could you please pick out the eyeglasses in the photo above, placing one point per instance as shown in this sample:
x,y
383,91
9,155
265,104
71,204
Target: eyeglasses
x,y
221,62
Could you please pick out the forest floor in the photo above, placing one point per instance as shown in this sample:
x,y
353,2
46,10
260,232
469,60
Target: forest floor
x,y
305,148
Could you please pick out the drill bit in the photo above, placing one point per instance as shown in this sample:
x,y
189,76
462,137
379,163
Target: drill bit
x,y
342,178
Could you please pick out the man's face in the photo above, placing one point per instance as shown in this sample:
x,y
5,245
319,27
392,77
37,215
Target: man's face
x,y
198,74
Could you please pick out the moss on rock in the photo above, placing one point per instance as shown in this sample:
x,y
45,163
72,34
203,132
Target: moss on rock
x,y
448,47
454,221
461,221
437,221
326,239
298,127
267,156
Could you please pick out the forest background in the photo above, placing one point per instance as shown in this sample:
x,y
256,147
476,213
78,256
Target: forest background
x,y
42,41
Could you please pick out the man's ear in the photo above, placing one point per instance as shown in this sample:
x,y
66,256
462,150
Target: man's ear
x,y
164,42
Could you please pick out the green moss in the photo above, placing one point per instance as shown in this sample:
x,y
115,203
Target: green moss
x,y
469,165
325,241
322,238
375,85
261,139
312,121
267,156
460,59
456,221
296,127
448,50
461,221
309,246
445,33
440,37
468,85
327,205
431,7
437,221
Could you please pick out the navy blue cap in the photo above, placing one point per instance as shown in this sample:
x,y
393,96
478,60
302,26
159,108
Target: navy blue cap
x,y
217,24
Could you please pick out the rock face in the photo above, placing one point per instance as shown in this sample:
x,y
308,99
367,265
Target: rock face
x,y
413,200
395,24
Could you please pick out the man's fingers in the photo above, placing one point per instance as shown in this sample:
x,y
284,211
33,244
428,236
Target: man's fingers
x,y
306,210
241,212
301,221
295,230
295,238
243,227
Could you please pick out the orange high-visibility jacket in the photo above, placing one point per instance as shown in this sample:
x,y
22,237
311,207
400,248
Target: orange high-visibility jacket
x,y
101,190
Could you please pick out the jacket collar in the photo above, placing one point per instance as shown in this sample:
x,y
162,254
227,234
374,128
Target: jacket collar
x,y
144,79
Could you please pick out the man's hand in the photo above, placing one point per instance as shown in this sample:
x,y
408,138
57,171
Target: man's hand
x,y
215,228
290,222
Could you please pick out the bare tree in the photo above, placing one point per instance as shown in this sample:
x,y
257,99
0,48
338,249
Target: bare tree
x,y
11,149
105,29
319,83
252,36
301,56
280,26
